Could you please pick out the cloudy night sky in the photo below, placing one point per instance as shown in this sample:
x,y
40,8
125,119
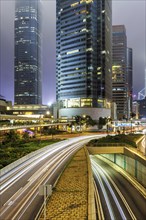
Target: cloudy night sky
x,y
131,13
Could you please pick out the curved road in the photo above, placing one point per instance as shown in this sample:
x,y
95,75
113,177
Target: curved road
x,y
117,197
19,188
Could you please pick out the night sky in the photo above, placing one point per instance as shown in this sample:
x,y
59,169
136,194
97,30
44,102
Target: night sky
x,y
131,13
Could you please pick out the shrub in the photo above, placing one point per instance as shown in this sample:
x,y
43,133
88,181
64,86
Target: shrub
x,y
120,138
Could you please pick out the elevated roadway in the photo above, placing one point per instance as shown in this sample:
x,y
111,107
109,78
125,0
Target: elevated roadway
x,y
17,127
19,186
117,194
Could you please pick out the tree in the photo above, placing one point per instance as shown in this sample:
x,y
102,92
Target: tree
x,y
101,122
12,137
25,136
90,121
50,131
83,120
132,115
79,120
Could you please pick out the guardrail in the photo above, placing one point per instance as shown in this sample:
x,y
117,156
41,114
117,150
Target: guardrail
x,y
30,126
91,201
109,145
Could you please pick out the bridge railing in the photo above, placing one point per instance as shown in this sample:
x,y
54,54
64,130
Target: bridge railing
x,y
109,145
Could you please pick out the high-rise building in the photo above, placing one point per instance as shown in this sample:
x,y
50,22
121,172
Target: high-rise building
x,y
119,71
130,79
27,52
84,54
142,108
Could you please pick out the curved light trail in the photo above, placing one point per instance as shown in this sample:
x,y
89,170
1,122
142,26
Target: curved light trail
x,y
20,186
113,196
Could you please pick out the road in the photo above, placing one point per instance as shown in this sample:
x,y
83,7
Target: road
x,y
115,195
19,187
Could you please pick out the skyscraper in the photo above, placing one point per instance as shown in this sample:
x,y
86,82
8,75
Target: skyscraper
x,y
119,71
130,78
27,52
84,53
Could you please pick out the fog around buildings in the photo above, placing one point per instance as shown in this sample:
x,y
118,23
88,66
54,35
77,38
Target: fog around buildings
x,y
130,13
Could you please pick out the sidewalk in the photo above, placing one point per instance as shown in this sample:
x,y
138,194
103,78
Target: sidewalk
x,y
69,199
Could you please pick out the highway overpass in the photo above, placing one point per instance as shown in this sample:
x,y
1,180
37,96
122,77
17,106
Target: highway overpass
x,y
21,180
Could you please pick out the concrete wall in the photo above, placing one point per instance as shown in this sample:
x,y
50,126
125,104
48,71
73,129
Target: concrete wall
x,y
91,199
141,173
130,165
105,150
95,113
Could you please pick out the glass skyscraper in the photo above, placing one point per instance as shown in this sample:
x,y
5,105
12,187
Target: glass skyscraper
x,y
130,78
120,74
27,52
84,53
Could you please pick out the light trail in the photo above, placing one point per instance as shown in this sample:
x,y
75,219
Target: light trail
x,y
28,202
98,202
110,189
108,203
49,167
8,179
106,177
56,155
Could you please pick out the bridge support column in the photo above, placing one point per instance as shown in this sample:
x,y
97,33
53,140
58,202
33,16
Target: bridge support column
x,y
114,158
124,162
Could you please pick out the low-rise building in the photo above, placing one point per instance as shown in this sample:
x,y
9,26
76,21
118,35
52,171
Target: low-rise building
x,y
42,110
4,105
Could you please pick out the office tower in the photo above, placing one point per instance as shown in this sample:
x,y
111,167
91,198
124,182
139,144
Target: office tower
x,y
130,79
119,71
142,108
27,52
84,53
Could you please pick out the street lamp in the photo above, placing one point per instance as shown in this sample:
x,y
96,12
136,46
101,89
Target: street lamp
x,y
47,113
84,116
46,191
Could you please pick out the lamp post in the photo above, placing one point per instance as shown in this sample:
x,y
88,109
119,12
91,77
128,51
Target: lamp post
x,y
46,191
84,116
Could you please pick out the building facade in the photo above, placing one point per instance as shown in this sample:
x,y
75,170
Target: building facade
x,y
119,71
130,79
27,52
4,105
29,110
84,65
135,109
142,108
